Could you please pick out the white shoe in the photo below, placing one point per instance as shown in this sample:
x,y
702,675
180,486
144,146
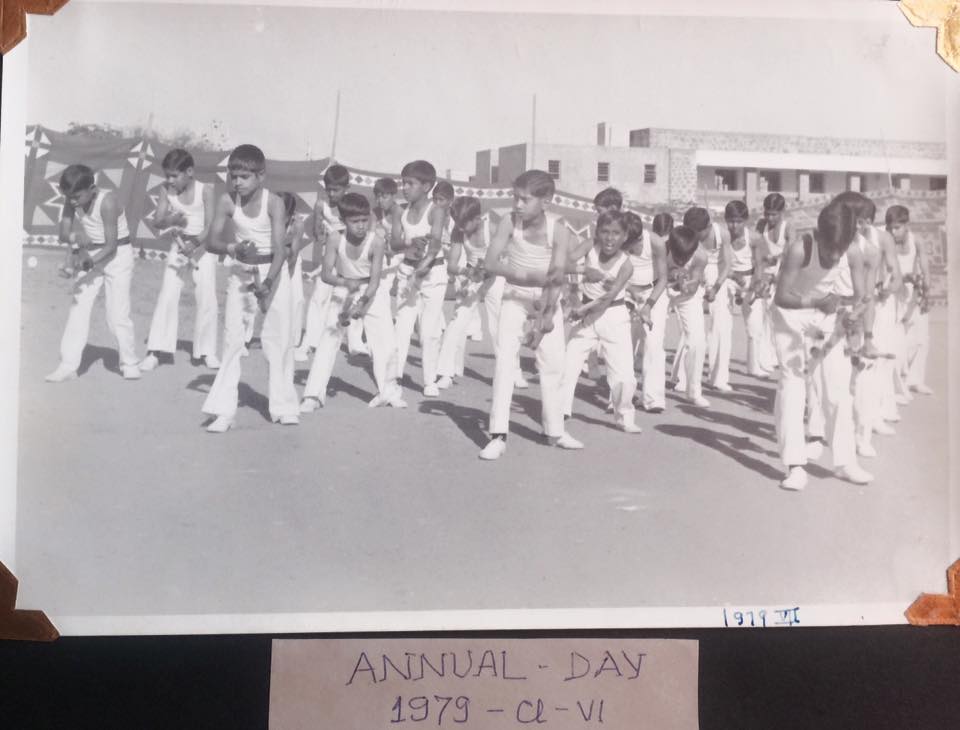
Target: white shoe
x,y
130,372
904,400
61,374
301,354
444,382
493,450
814,450
866,450
149,363
212,362
884,429
244,351
309,404
922,389
431,391
795,480
894,418
854,473
521,383
700,402
220,424
289,420
723,388
630,428
566,441
397,401
375,402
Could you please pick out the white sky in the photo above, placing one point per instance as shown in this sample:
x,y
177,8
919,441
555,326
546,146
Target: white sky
x,y
443,85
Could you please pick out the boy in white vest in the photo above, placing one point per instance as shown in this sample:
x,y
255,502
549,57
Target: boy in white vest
x,y
747,252
422,276
603,321
716,244
778,232
259,280
327,224
686,263
646,293
806,313
353,267
530,251
912,305
185,209
104,259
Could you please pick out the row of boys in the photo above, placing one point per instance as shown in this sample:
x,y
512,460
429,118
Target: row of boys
x,y
628,278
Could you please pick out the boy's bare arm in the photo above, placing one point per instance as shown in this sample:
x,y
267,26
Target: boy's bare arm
x,y
209,211
658,251
491,261
726,259
453,261
376,269
922,263
396,229
554,279
438,221
888,249
215,241
791,265
278,234
328,274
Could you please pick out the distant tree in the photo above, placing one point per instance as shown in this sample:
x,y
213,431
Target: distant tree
x,y
181,137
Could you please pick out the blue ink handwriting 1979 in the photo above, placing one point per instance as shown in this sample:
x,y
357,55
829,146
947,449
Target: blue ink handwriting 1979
x,y
759,617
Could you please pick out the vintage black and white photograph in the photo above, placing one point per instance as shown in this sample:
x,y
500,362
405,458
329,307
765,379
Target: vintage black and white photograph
x,y
353,317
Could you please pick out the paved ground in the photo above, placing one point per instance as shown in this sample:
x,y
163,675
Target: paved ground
x,y
126,506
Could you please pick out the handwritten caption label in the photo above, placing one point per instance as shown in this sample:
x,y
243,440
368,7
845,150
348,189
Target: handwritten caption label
x,y
761,617
460,683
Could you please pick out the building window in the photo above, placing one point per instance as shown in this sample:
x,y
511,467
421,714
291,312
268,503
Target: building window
x,y
725,179
553,167
495,174
817,183
938,183
649,174
603,172
770,181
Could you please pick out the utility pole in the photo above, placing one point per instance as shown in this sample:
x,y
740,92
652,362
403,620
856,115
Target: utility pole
x,y
336,126
533,134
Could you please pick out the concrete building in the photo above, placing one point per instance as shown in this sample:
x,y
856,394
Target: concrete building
x,y
682,166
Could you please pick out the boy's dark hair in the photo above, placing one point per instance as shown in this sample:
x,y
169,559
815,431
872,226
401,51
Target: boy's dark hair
x,y
289,203
76,178
336,176
444,190
177,159
736,209
682,243
385,186
861,205
662,224
775,202
247,157
353,205
610,216
897,214
634,226
608,198
463,209
420,170
697,218
536,182
837,225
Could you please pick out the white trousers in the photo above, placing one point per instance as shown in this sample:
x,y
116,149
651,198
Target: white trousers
x,y
916,345
115,278
831,406
688,360
761,357
316,318
423,307
611,333
887,336
719,331
866,411
166,315
378,324
298,304
275,336
515,307
653,358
